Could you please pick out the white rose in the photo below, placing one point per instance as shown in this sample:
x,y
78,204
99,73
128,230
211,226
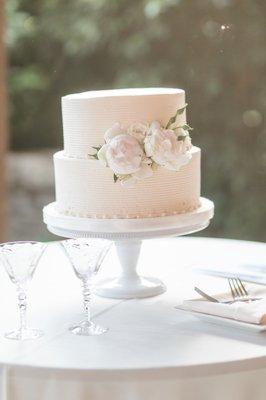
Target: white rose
x,y
115,130
123,154
164,148
138,130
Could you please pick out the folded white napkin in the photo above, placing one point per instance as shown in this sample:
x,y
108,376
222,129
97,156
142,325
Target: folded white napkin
x,y
253,312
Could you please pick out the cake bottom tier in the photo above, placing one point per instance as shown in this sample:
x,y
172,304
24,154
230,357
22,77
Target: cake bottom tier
x,y
85,188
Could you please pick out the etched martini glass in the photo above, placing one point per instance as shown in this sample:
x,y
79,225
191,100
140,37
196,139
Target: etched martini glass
x,y
20,260
86,257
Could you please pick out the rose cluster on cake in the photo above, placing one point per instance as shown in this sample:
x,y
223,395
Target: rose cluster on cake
x,y
134,153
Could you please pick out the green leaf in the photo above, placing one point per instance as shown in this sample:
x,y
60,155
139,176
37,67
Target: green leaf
x,y
115,178
186,127
97,148
95,156
173,119
181,110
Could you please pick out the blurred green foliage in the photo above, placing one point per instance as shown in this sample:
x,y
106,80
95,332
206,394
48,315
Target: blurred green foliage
x,y
214,49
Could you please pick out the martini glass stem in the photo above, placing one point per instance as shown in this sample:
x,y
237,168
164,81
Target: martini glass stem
x,y
22,303
87,299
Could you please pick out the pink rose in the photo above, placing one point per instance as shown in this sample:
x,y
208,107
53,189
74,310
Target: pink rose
x,y
164,148
123,154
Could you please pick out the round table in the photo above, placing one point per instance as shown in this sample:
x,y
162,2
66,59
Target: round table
x,y
152,351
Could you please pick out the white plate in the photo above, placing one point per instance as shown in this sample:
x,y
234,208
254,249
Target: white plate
x,y
213,319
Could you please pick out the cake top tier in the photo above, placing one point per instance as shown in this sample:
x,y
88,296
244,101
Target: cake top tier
x,y
87,115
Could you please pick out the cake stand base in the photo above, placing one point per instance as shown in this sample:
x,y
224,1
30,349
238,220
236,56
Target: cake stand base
x,y
129,284
139,288
128,235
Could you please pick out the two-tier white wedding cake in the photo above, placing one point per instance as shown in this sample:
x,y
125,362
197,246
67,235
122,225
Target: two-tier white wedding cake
x,y
127,154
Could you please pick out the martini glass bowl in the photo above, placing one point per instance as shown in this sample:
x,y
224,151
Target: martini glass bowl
x,y
86,257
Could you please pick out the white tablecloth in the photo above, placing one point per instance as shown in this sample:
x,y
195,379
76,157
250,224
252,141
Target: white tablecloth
x,y
151,351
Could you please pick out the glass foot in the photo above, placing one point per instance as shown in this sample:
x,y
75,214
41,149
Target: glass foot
x,y
24,334
86,328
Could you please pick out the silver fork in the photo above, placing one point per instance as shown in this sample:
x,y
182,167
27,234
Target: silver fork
x,y
239,292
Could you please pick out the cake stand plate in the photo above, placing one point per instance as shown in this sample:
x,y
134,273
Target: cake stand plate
x,y
128,235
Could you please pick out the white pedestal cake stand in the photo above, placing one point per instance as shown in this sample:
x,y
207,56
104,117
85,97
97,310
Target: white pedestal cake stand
x,y
128,235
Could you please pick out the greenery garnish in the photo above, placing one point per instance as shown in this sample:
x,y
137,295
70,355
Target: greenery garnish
x,y
186,127
173,119
95,155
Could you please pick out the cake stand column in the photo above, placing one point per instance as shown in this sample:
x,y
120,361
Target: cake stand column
x,y
129,284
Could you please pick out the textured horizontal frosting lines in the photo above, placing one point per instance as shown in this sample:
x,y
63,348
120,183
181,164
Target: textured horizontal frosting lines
x,y
85,188
86,117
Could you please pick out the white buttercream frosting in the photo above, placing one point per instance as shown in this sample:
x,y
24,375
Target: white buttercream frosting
x,y
85,188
